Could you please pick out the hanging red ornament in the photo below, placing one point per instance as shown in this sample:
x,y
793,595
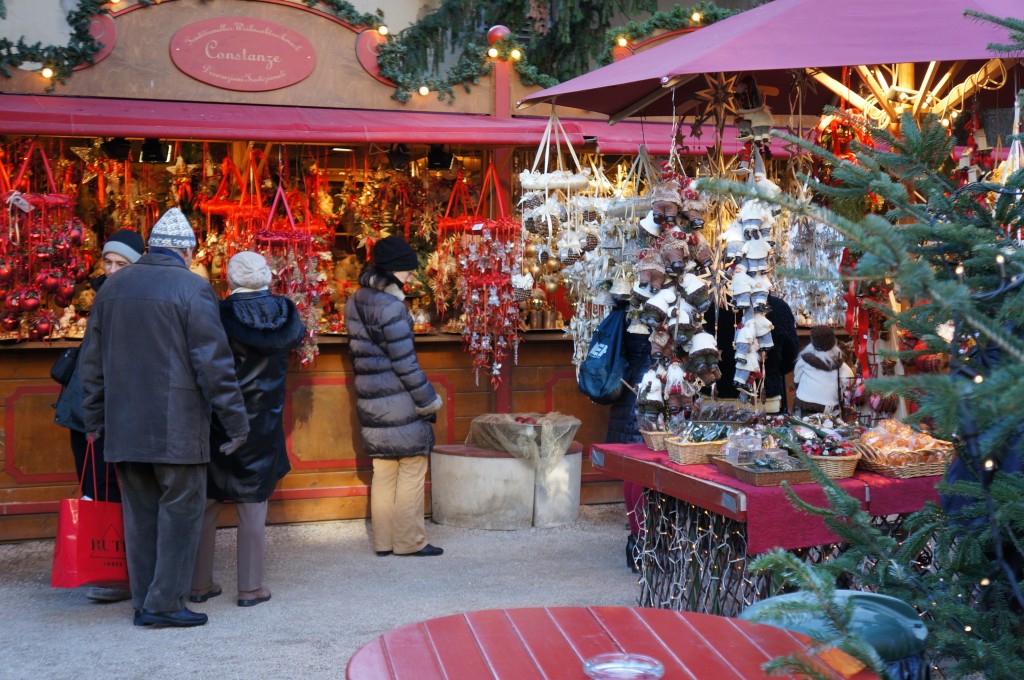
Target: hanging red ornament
x,y
30,301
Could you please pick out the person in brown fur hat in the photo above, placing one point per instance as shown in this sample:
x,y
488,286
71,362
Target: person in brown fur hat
x,y
819,374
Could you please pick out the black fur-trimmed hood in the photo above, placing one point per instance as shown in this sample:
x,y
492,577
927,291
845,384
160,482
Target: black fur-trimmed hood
x,y
262,321
829,360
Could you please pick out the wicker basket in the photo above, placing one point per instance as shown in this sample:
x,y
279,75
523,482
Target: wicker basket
x,y
761,478
873,460
837,467
683,452
655,439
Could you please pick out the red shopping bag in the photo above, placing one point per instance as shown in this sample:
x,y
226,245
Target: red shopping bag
x,y
90,544
89,548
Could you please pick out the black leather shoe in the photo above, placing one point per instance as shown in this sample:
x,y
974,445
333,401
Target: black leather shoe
x,y
428,551
183,618
633,553
383,553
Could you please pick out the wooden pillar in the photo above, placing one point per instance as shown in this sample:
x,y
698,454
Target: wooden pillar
x,y
502,158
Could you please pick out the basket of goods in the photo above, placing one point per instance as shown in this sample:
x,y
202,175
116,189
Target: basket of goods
x,y
895,449
828,442
656,439
696,442
769,467
836,458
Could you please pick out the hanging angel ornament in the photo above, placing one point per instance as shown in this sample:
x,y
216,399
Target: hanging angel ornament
x,y
181,180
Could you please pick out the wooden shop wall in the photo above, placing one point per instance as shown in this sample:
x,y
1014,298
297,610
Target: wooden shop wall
x,y
330,473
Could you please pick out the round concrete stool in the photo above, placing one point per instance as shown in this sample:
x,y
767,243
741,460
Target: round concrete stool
x,y
483,489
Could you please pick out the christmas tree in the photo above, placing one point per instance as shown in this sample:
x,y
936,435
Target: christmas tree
x,y
953,253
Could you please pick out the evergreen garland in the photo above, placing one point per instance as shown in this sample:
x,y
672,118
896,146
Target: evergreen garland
x,y
559,48
80,49
349,14
674,19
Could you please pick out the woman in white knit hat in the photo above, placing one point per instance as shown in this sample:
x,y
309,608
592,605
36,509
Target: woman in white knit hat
x,y
262,330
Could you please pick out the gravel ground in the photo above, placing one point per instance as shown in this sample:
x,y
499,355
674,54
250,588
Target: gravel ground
x,y
331,594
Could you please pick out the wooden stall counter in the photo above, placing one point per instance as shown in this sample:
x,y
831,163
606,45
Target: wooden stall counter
x,y
330,474
701,525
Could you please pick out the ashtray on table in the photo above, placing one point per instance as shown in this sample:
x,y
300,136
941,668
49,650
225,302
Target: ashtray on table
x,y
620,666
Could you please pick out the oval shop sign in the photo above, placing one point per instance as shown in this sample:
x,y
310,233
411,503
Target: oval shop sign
x,y
242,53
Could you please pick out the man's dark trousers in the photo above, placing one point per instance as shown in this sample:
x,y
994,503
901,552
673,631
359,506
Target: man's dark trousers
x,y
163,514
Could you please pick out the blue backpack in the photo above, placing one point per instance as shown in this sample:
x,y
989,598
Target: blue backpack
x,y
600,373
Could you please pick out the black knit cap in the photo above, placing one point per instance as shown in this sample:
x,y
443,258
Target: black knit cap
x,y
395,255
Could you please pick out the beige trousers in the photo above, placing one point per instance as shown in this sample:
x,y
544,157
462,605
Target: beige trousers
x,y
396,504
252,521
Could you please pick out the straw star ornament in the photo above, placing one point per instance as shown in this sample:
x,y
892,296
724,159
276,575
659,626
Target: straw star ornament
x,y
718,97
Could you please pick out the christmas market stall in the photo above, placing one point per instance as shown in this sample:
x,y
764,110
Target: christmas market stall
x,y
738,236
306,156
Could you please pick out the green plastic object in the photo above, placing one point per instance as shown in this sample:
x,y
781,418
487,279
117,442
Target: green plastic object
x,y
891,626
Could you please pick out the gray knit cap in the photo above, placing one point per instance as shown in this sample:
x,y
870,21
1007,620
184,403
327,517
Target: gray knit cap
x,y
248,270
126,243
172,230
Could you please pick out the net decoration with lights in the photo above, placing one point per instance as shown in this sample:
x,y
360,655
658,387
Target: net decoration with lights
x,y
489,254
41,259
673,289
294,255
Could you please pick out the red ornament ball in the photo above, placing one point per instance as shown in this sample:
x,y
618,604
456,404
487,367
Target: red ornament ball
x,y
497,33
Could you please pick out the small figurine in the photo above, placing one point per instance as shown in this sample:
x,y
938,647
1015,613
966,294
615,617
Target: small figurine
x,y
759,290
704,357
741,286
649,394
819,373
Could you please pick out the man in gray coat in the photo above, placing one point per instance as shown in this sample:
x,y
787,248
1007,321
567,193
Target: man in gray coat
x,y
154,363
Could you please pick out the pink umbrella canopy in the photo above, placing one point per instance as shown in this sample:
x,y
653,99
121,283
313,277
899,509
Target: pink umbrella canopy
x,y
778,40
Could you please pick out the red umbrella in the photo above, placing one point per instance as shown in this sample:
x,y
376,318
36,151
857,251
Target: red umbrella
x,y
778,41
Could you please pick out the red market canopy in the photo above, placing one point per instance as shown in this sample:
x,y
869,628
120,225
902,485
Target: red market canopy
x,y
95,117
779,40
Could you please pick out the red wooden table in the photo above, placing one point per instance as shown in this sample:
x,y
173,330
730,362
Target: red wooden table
x,y
551,643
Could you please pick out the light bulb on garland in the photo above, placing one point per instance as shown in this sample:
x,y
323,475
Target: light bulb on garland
x,y
382,29
492,52
424,90
516,54
46,72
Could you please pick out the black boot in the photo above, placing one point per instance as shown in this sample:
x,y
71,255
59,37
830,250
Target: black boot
x,y
633,553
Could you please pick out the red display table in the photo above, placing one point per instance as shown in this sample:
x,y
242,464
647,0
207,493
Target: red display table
x,y
551,643
702,525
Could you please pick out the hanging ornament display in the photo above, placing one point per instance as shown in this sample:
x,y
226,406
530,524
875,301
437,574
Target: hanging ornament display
x,y
559,225
294,256
41,258
674,277
489,253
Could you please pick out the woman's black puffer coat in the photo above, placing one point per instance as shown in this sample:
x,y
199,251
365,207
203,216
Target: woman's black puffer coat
x,y
392,393
262,330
